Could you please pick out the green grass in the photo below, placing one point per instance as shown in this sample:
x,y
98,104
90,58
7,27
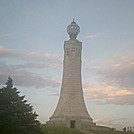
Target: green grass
x,y
59,130
64,130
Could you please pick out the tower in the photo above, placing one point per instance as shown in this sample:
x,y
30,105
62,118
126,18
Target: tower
x,y
71,110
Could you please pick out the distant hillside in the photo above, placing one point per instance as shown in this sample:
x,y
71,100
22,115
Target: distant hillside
x,y
64,130
112,132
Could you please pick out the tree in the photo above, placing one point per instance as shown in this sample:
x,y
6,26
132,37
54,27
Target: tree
x,y
16,115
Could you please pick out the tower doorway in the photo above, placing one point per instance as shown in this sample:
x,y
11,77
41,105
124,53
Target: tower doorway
x,y
72,124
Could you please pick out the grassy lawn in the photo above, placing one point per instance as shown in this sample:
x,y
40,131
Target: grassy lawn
x,y
64,130
59,130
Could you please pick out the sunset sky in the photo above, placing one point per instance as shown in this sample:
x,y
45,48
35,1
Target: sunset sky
x,y
32,35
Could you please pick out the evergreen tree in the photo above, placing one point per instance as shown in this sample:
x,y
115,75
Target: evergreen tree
x,y
16,115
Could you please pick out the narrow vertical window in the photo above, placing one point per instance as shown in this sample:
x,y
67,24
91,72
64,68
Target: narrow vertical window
x,y
67,53
79,52
73,52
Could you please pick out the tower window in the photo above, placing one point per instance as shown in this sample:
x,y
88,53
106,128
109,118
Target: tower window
x,y
79,52
67,53
73,52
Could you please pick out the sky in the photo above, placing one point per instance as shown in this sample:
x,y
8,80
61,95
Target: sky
x,y
32,35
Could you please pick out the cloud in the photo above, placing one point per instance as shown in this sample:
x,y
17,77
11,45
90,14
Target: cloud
x,y
110,95
41,60
5,35
117,74
25,78
39,65
31,59
8,52
93,36
122,100
42,56
114,80
16,64
122,74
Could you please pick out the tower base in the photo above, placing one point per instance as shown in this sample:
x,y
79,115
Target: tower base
x,y
80,125
72,122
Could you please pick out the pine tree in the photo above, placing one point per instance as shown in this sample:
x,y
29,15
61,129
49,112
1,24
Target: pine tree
x,y
16,115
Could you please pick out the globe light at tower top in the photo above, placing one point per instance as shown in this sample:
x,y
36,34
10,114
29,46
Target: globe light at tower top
x,y
73,30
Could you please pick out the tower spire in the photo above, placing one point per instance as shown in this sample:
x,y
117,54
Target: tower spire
x,y
73,30
71,109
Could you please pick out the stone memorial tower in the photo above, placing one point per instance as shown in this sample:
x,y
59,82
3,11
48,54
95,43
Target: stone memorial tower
x,y
71,110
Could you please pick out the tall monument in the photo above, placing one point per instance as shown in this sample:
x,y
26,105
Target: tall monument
x,y
71,110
